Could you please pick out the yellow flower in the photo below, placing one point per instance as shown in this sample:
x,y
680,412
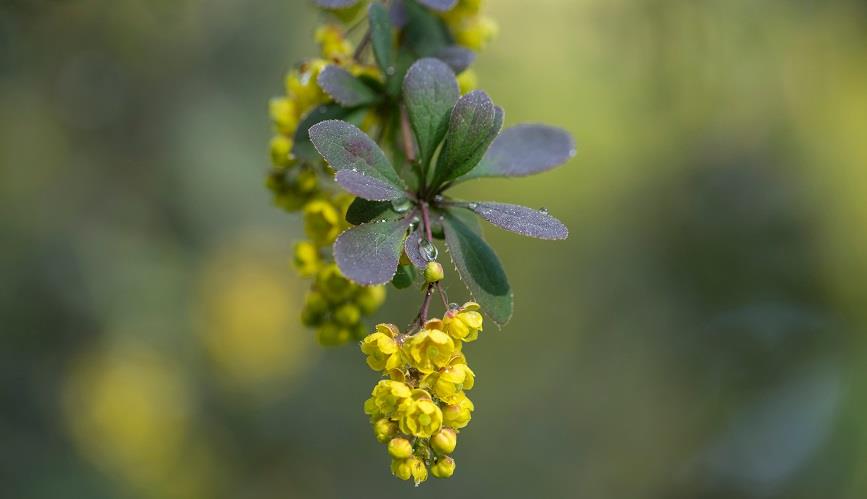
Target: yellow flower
x,y
332,42
321,222
281,151
411,467
447,383
474,32
419,415
301,86
384,430
464,323
347,314
429,350
307,260
444,467
284,113
468,81
387,395
381,348
458,414
370,298
333,286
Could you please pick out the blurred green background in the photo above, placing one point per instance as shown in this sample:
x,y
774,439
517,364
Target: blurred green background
x,y
700,335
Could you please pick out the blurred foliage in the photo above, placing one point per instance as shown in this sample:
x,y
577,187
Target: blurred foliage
x,y
700,335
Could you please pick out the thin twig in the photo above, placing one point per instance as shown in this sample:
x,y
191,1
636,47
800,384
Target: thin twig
x,y
361,46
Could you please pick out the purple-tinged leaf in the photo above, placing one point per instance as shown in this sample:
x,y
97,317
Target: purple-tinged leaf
x,y
303,148
479,268
362,211
368,187
397,14
458,58
345,147
439,5
521,220
473,125
380,38
524,150
430,91
344,88
413,250
336,4
369,253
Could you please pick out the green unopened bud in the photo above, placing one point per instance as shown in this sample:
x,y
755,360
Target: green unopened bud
x,y
347,315
384,430
444,467
433,272
444,441
399,448
370,298
314,309
331,334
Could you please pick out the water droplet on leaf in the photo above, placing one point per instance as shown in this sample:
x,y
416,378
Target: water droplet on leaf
x,y
543,210
401,205
473,206
428,250
390,71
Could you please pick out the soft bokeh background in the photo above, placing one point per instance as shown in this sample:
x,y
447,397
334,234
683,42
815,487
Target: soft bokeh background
x,y
700,335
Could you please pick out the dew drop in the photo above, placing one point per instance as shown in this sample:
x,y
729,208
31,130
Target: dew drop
x,y
390,71
428,250
415,220
573,152
543,210
454,306
354,170
439,198
473,206
401,205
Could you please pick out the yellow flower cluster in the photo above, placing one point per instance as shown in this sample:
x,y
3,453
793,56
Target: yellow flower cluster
x,y
334,305
419,410
469,26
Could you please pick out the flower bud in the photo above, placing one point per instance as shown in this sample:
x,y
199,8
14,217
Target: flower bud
x,y
417,469
399,448
433,272
444,467
347,315
281,151
370,298
444,441
384,430
314,309
401,468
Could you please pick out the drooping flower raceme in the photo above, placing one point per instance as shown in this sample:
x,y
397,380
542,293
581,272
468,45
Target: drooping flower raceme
x,y
374,211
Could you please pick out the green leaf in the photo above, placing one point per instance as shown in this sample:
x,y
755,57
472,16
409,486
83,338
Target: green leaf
x,y
303,148
525,150
474,124
345,147
369,253
430,91
344,88
404,277
363,211
380,37
479,268
424,33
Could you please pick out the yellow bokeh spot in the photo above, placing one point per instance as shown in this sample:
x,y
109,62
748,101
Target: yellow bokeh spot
x,y
128,410
247,316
